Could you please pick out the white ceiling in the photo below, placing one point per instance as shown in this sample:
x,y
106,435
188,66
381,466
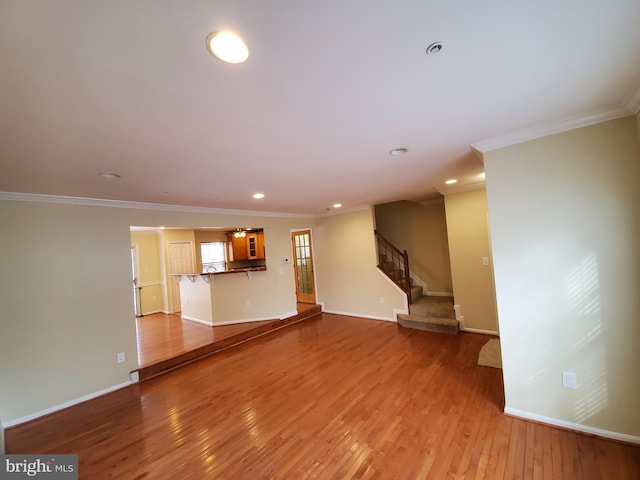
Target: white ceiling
x,y
329,89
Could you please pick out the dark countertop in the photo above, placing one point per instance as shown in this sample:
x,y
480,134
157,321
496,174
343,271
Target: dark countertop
x,y
260,268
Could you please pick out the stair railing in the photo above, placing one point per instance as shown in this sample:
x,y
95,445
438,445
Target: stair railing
x,y
394,263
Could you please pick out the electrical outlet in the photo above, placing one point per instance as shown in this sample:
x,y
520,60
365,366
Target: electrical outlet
x,y
485,261
381,300
120,357
248,303
569,380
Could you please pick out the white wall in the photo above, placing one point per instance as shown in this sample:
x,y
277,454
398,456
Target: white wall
x,y
565,229
67,300
67,305
66,296
468,234
348,280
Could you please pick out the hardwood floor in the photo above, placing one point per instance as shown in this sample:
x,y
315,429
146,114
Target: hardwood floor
x,y
161,336
330,397
166,341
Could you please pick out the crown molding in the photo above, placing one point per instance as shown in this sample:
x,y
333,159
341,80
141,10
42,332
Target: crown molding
x,y
552,128
462,188
101,202
341,211
632,102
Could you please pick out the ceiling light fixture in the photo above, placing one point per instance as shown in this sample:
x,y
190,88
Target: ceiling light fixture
x,y
258,195
337,205
434,48
451,182
109,175
227,47
399,151
240,233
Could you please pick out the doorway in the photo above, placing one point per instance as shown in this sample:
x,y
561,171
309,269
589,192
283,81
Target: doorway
x,y
303,266
135,269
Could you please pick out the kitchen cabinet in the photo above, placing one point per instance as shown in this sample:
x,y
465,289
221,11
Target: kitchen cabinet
x,y
255,245
249,247
237,247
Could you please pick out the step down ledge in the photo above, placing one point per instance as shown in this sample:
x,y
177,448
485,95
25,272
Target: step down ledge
x,y
433,324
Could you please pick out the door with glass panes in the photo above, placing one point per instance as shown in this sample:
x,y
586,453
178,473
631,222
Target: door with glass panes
x,y
303,266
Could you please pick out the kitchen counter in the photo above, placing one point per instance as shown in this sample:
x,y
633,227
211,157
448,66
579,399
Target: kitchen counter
x,y
206,276
198,291
261,268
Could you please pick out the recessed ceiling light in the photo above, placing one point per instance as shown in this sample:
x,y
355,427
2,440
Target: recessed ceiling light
x,y
258,195
227,47
451,182
337,205
110,175
481,175
399,151
434,48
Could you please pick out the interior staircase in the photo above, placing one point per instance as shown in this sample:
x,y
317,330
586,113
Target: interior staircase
x,y
430,313
426,312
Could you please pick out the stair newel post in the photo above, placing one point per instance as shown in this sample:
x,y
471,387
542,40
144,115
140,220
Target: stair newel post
x,y
407,277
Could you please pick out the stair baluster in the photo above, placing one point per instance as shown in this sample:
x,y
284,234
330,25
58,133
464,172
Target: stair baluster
x,y
394,264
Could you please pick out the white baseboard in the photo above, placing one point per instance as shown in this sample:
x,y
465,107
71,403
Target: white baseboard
x,y
464,328
236,322
623,437
151,312
62,406
249,320
289,315
197,320
477,330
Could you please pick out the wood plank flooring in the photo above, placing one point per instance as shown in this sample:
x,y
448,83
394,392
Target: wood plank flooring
x,y
166,341
332,397
161,336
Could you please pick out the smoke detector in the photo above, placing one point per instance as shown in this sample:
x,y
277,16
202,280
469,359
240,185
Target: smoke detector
x,y
434,48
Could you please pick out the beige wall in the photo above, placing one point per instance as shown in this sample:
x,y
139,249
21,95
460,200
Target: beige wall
x,y
565,229
153,294
67,299
421,230
67,305
468,234
348,280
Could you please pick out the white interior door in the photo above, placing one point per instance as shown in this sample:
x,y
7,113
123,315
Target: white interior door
x,y
180,261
